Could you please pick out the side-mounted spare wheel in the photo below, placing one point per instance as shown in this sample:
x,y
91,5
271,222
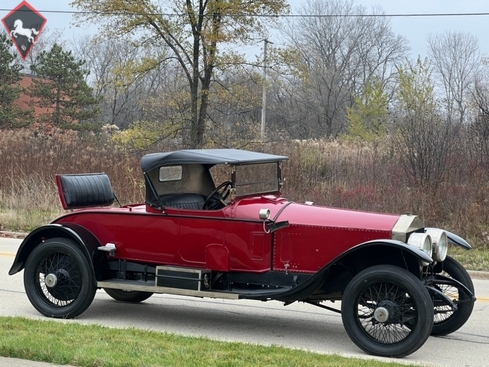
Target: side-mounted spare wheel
x,y
387,311
128,296
58,279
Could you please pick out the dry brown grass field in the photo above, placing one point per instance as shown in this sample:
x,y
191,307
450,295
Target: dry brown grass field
x,y
30,159
339,174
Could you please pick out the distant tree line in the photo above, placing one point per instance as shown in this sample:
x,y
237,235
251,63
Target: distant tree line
x,y
170,74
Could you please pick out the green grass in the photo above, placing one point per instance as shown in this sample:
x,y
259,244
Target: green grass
x,y
475,259
24,220
97,346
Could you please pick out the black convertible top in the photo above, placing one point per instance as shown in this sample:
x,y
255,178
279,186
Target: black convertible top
x,y
209,157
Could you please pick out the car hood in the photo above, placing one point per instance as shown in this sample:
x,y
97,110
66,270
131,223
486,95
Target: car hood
x,y
317,216
303,214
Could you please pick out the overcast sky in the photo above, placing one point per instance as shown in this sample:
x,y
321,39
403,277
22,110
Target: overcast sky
x,y
415,29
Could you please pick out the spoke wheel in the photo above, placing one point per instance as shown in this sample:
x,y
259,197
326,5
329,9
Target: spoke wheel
x,y
387,311
58,279
446,320
128,296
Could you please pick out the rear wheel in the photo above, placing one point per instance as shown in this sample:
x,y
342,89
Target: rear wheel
x,y
128,296
446,320
387,311
58,279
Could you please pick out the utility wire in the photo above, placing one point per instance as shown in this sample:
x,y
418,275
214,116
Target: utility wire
x,y
407,15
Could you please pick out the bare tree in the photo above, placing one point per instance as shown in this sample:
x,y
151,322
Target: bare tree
x,y
456,61
118,74
236,107
341,49
479,123
422,138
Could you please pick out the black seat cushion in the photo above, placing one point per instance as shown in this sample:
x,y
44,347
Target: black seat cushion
x,y
183,201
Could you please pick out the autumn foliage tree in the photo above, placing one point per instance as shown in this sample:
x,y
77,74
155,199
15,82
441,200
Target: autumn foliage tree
x,y
367,118
61,86
193,31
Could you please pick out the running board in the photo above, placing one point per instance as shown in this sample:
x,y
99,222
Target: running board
x,y
130,285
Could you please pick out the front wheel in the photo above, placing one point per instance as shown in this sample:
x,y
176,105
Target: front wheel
x,y
128,296
58,279
387,311
446,320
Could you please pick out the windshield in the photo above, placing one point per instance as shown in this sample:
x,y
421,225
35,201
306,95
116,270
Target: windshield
x,y
250,179
257,179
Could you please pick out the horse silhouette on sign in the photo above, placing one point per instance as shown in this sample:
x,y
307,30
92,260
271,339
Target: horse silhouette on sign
x,y
19,29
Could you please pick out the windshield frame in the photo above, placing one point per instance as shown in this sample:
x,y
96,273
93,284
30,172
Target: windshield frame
x,y
272,184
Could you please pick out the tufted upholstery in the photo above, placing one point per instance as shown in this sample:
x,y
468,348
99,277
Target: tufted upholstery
x,y
183,201
85,190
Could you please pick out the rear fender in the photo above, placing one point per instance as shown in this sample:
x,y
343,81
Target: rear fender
x,y
85,240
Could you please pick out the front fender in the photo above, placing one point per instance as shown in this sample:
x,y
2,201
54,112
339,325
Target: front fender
x,y
84,239
309,287
420,254
456,240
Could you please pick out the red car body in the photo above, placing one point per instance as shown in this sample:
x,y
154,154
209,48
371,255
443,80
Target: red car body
x,y
243,240
233,239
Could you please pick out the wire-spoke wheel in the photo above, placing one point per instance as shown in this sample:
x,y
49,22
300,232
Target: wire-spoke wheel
x,y
58,279
446,320
387,311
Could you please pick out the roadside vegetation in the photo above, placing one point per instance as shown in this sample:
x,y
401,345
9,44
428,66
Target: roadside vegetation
x,y
96,346
337,173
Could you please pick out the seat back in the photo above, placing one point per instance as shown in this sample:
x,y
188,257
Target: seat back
x,y
84,190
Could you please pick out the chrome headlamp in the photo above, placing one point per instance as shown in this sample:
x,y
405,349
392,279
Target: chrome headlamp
x,y
440,243
421,241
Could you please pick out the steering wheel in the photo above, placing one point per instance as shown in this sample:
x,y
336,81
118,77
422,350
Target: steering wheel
x,y
216,198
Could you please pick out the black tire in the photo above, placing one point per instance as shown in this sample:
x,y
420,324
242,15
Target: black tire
x,y
58,279
376,306
128,296
447,321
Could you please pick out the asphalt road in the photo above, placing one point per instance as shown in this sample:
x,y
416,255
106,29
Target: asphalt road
x,y
269,323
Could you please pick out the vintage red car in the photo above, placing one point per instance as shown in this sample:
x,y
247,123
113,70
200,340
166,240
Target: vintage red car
x,y
214,224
